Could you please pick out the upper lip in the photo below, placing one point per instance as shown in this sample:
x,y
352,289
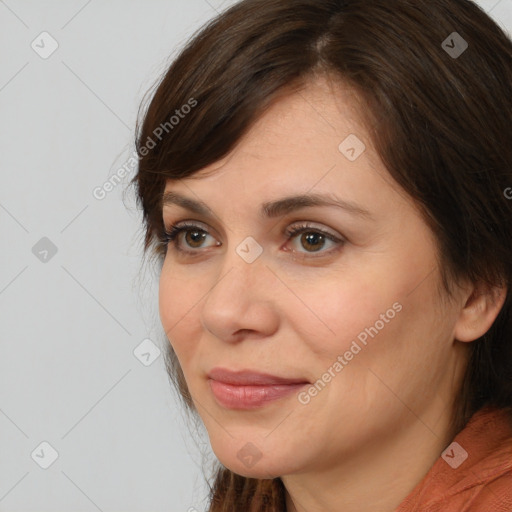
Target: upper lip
x,y
251,378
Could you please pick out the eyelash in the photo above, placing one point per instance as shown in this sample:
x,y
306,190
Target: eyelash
x,y
169,237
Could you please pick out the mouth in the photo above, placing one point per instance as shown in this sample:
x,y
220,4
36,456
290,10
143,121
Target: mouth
x,y
250,389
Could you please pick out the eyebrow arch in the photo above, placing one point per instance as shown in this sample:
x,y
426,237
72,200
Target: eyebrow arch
x,y
273,209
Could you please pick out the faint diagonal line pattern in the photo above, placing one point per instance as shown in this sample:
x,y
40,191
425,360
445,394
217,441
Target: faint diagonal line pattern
x,y
213,417
14,76
14,485
318,113
312,312
76,14
12,12
96,95
14,218
96,300
403,403
13,279
81,491
218,281
74,218
215,9
322,178
280,423
3,412
419,284
194,194
307,192
494,6
97,402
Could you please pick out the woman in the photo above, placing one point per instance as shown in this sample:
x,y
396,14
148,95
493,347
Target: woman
x,y
324,184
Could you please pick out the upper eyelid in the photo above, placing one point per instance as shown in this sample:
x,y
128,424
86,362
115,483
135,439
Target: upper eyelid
x,y
294,224
184,223
168,226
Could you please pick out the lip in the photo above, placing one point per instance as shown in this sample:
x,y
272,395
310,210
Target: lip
x,y
249,389
251,378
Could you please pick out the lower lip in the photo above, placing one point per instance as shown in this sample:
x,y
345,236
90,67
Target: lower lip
x,y
250,397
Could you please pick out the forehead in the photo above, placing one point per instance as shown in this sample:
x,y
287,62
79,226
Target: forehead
x,y
304,142
320,114
306,124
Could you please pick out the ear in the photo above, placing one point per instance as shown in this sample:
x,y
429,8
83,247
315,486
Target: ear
x,y
481,306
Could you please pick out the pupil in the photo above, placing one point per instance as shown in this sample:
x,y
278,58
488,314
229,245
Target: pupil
x,y
313,239
196,237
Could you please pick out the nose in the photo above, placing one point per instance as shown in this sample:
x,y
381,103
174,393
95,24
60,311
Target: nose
x,y
240,303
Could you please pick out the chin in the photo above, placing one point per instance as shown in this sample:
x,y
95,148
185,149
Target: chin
x,y
247,460
260,471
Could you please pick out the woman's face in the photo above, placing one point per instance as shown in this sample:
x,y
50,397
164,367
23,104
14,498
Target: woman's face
x,y
350,305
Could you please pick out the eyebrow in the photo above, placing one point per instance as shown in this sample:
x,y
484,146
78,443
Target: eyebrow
x,y
272,209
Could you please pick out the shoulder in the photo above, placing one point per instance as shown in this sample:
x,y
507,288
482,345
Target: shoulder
x,y
474,472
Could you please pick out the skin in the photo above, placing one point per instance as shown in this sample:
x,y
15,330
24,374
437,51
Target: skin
x,y
369,436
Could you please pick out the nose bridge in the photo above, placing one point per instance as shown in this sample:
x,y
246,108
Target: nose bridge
x,y
243,271
240,297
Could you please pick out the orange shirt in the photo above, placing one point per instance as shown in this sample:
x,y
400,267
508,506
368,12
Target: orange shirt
x,y
473,474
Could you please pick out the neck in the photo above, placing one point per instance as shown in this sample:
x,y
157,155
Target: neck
x,y
377,478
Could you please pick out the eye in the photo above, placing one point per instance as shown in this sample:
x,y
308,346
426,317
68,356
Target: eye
x,y
193,236
314,239
189,239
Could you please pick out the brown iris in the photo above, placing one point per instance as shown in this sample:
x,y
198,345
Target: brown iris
x,y
195,237
313,239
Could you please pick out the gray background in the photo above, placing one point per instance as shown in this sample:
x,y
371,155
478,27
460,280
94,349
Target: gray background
x,y
73,371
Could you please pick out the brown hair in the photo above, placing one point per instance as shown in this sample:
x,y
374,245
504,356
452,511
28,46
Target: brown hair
x,y
441,123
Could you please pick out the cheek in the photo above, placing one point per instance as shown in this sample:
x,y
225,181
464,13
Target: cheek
x,y
392,332
176,301
338,310
372,317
